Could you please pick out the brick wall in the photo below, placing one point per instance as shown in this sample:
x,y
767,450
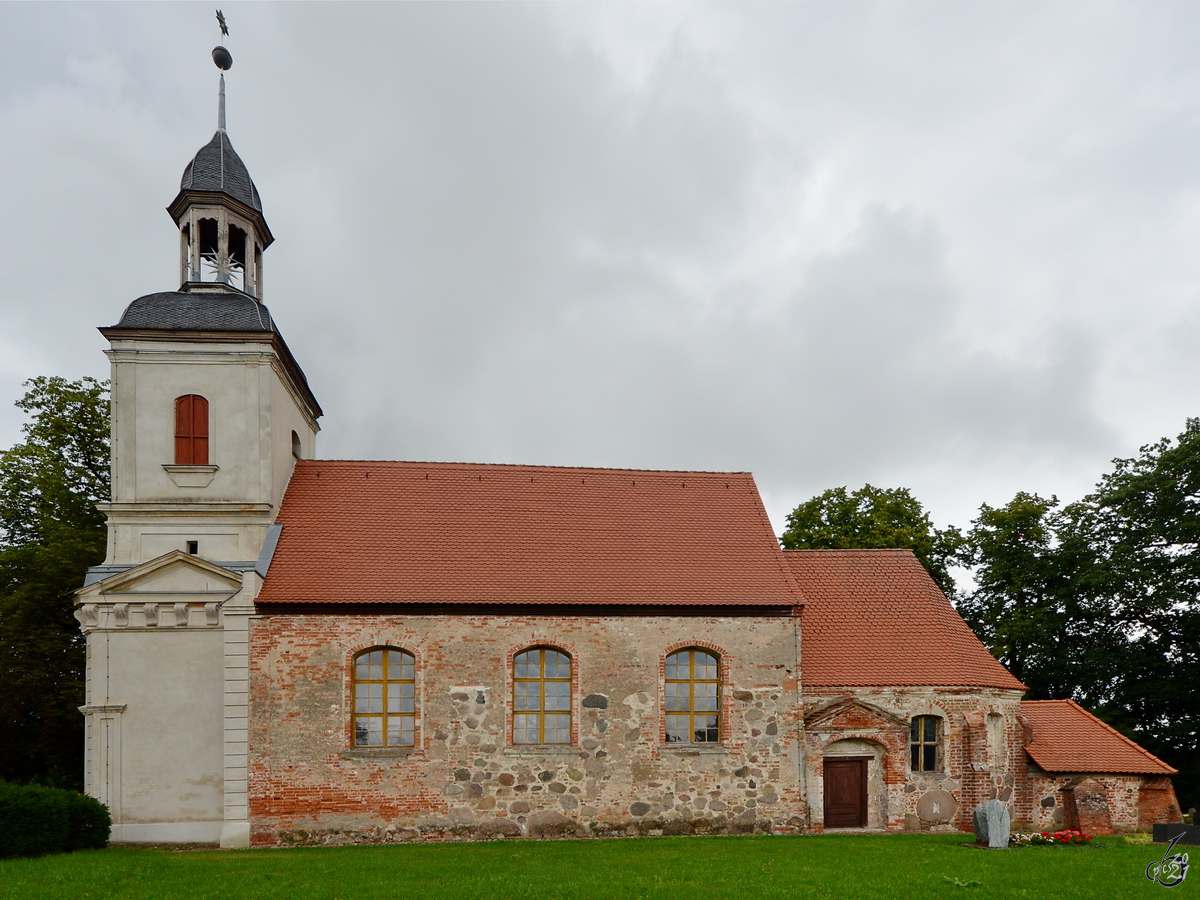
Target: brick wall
x,y
975,764
464,776
1100,804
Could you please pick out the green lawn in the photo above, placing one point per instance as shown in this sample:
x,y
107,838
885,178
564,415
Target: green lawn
x,y
844,867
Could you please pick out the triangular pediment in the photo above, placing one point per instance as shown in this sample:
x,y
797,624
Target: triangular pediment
x,y
852,714
174,573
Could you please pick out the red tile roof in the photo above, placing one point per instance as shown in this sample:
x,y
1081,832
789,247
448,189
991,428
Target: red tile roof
x,y
1068,738
876,618
447,533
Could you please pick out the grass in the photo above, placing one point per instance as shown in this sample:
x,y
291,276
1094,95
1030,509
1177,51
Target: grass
x,y
841,867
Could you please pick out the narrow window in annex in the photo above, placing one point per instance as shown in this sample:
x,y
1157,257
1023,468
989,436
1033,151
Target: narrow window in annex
x,y
384,698
924,739
693,697
191,431
541,697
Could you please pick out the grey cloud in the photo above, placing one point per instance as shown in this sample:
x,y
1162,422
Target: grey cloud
x,y
942,246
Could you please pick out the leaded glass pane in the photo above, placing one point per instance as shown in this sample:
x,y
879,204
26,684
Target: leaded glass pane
x,y
558,695
525,695
930,729
525,729
372,730
370,666
678,728
400,731
914,731
706,697
558,665
525,665
558,729
677,666
369,698
677,697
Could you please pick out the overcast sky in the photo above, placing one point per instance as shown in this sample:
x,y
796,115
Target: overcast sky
x,y
954,247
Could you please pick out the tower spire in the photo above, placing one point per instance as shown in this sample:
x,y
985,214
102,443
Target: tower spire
x,y
223,59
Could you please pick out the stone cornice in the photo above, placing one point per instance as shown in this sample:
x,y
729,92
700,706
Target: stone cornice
x,y
293,374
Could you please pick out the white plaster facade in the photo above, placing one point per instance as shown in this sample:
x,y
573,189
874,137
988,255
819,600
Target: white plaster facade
x,y
167,616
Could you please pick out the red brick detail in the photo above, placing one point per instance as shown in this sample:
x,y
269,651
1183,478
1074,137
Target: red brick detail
x,y
1157,804
1086,809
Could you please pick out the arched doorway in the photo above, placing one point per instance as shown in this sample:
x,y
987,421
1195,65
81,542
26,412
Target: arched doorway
x,y
854,792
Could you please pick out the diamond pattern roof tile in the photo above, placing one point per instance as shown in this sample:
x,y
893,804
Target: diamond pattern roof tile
x,y
876,618
453,533
1068,738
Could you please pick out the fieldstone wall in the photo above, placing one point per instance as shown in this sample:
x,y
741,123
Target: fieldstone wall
x,y
982,755
464,778
1100,804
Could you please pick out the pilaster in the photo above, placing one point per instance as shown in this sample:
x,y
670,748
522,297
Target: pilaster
x,y
237,616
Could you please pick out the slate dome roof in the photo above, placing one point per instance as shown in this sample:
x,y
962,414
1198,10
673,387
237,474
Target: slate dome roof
x,y
199,311
217,167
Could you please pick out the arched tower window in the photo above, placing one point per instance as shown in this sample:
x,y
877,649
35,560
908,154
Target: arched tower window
x,y
191,430
693,689
542,696
384,698
297,450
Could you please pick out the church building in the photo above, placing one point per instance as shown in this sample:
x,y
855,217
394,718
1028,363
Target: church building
x,y
286,650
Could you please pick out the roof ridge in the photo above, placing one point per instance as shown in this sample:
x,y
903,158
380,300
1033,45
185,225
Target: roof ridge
x,y
477,465
846,551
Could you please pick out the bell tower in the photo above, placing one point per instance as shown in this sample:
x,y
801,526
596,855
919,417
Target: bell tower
x,y
222,231
210,412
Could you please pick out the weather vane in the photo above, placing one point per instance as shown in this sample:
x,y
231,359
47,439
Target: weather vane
x,y
222,57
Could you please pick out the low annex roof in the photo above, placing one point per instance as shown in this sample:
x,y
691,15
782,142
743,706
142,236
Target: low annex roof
x,y
876,618
1068,738
455,533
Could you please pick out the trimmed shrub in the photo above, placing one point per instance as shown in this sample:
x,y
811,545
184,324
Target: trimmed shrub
x,y
88,823
37,820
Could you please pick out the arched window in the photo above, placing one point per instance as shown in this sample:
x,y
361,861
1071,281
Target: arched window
x,y
384,698
296,449
693,697
924,739
542,697
191,431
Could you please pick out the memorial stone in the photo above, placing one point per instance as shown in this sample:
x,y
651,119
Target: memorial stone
x,y
991,824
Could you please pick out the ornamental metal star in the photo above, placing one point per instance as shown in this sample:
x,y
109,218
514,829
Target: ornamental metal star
x,y
221,22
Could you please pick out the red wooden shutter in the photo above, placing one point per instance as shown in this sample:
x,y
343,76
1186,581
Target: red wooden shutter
x,y
191,431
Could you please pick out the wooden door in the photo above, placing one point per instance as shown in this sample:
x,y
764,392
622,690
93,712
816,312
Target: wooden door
x,y
846,792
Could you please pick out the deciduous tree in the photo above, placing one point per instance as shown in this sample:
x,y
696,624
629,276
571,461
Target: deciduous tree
x,y
50,532
873,517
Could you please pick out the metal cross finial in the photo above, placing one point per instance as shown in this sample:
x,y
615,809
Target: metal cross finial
x,y
222,23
